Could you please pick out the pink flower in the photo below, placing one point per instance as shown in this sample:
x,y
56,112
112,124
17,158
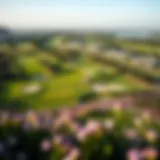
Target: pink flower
x,y
63,119
82,134
73,155
58,139
32,118
91,128
117,107
149,153
45,145
133,154
151,135
131,133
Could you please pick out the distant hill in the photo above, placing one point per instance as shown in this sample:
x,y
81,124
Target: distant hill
x,y
5,34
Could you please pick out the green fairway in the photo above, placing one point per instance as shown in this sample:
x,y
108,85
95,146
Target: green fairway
x,y
57,91
51,79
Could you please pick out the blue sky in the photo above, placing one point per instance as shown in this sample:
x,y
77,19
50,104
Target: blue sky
x,y
80,14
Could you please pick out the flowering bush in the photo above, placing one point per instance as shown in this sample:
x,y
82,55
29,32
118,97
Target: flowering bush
x,y
91,133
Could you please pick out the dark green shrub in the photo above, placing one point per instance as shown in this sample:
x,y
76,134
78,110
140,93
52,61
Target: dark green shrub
x,y
103,75
86,96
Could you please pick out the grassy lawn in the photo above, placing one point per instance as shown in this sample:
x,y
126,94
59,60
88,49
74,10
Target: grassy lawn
x,y
64,88
59,91
32,65
131,82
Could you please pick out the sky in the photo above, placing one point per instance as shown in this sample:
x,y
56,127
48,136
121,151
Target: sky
x,y
80,14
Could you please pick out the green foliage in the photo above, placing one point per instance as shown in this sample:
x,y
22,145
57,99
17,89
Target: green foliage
x,y
65,74
87,96
89,133
104,76
56,67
